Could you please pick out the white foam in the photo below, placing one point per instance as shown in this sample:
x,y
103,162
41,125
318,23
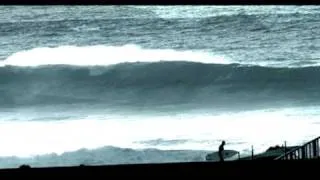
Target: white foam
x,y
203,132
105,55
103,156
169,12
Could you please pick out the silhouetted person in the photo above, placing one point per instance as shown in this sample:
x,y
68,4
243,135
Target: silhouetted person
x,y
221,149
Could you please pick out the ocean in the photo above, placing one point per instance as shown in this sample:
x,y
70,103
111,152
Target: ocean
x,y
102,85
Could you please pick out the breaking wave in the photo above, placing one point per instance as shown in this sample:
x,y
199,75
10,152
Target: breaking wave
x,y
131,74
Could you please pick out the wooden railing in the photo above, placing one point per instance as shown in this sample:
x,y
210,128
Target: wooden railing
x,y
309,150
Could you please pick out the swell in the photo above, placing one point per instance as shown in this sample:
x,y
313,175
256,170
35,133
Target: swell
x,y
108,24
178,82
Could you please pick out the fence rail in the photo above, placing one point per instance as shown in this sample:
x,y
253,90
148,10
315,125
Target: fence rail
x,y
309,150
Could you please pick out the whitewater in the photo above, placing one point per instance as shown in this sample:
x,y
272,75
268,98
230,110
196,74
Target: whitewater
x,y
124,84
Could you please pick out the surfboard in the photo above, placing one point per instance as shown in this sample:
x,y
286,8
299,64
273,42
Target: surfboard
x,y
227,154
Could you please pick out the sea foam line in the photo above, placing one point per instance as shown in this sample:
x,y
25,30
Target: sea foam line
x,y
104,55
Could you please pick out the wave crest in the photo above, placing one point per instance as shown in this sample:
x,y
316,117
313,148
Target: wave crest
x,y
103,55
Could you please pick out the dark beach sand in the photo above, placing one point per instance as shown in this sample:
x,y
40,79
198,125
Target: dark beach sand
x,y
243,168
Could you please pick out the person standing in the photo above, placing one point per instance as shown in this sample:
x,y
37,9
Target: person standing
x,y
221,149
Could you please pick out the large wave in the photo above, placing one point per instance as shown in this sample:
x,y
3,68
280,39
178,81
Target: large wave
x,y
130,74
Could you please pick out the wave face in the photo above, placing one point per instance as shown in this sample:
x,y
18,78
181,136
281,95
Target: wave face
x,y
146,82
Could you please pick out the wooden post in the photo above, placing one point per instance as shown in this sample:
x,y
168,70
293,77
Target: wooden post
x,y
251,152
318,150
285,150
314,148
303,152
